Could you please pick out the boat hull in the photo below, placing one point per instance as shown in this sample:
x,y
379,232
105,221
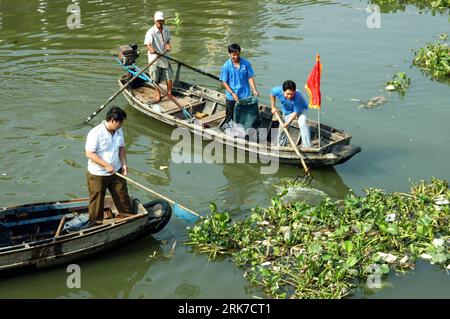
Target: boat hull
x,y
334,153
73,246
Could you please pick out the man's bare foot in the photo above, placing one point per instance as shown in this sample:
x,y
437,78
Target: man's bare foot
x,y
170,96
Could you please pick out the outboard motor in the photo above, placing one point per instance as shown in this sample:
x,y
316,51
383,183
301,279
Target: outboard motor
x,y
128,54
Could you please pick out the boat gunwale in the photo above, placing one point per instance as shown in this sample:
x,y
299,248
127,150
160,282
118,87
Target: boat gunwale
x,y
47,242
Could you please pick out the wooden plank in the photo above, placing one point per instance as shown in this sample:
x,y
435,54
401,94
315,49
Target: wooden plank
x,y
212,118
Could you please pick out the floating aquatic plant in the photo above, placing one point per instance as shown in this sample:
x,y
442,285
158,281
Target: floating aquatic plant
x,y
400,82
436,6
294,250
177,21
434,58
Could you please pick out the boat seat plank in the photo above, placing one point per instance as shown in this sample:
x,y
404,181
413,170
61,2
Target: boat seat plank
x,y
187,106
212,118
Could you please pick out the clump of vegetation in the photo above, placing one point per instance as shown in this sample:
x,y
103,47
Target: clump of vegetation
x,y
400,82
294,250
436,6
177,21
434,58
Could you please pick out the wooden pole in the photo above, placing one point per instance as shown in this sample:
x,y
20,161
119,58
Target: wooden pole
x,y
157,194
61,224
292,143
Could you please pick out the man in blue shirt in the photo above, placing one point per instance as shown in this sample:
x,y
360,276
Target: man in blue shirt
x,y
237,78
293,106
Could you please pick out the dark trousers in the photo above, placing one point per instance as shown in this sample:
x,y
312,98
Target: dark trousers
x,y
118,189
229,111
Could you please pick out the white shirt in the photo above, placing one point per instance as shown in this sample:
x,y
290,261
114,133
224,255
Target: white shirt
x,y
158,41
106,146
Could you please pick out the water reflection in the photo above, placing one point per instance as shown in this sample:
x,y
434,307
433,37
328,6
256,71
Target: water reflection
x,y
187,291
149,141
108,275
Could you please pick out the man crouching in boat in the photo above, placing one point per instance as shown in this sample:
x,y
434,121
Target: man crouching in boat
x,y
157,39
105,149
293,106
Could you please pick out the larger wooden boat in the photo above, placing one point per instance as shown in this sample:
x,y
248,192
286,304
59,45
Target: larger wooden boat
x,y
31,236
207,108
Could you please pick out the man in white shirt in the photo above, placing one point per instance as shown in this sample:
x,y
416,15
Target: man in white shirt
x,y
157,39
105,149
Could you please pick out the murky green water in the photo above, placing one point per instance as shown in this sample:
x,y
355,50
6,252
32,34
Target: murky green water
x,y
51,77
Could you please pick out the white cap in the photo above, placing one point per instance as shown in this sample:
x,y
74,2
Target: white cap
x,y
159,16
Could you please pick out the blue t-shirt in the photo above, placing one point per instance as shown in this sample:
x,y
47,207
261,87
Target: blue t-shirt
x,y
297,104
237,79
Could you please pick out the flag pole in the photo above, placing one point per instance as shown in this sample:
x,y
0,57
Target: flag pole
x,y
320,106
318,120
312,86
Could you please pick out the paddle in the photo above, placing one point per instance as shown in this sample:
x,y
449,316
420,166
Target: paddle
x,y
90,117
306,180
180,211
190,67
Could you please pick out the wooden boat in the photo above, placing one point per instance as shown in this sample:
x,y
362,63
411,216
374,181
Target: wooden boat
x,y
30,234
209,107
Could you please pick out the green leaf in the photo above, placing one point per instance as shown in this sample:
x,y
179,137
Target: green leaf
x,y
384,269
348,246
213,207
351,261
392,229
314,248
439,258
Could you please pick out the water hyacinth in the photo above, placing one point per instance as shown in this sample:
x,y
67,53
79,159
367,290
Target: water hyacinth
x,y
294,250
434,59
436,6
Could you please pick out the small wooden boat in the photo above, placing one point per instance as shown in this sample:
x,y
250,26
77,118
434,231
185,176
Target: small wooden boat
x,y
208,106
31,237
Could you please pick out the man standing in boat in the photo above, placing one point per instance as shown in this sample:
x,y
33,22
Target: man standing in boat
x,y
157,39
237,78
293,106
105,149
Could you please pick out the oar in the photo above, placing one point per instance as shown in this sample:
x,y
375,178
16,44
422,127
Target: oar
x,y
198,70
180,211
190,67
90,117
305,180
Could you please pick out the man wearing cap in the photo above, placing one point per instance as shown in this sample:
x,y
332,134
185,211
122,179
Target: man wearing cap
x,y
157,39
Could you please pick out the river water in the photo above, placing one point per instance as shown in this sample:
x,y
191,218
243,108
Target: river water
x,y
52,76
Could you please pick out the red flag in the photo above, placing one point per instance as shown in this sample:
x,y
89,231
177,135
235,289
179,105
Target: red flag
x,y
312,85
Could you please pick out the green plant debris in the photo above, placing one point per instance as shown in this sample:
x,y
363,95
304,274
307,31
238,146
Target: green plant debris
x,y
294,250
434,58
177,21
436,6
400,82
